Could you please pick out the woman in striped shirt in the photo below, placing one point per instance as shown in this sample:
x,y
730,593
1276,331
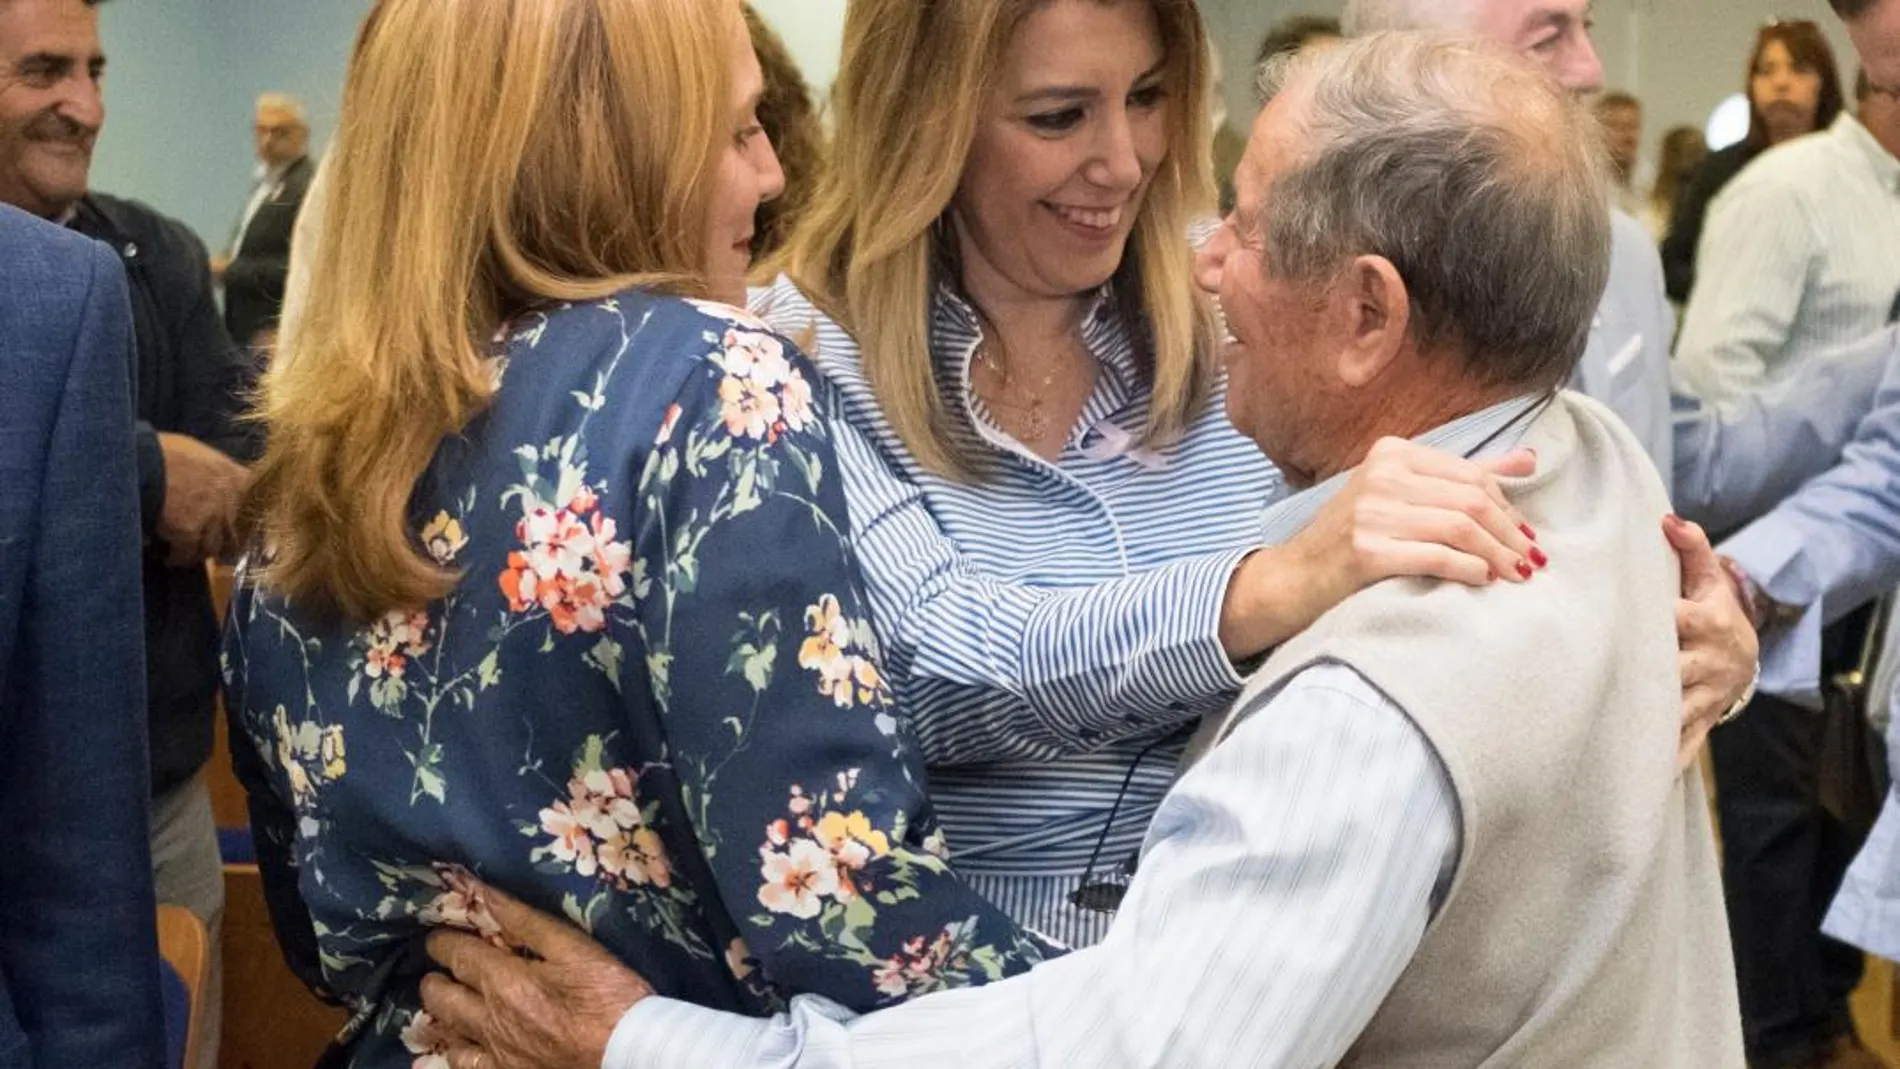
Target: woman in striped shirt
x,y
1059,527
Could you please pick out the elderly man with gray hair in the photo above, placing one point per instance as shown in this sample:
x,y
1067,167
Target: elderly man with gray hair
x,y
1504,864
255,267
1626,364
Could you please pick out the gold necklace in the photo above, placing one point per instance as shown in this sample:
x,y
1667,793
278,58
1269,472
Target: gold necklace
x,y
1034,424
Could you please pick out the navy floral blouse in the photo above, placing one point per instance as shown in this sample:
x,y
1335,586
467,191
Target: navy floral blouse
x,y
653,703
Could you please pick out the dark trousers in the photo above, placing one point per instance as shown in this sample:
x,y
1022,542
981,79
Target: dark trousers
x,y
1782,861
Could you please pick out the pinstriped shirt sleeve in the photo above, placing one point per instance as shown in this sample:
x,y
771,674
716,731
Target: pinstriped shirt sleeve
x,y
993,670
1758,252
1737,459
1287,882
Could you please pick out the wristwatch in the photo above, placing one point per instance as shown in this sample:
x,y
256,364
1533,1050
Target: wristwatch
x,y
1741,703
1764,612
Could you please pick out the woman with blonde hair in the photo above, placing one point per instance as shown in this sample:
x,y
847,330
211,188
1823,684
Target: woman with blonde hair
x,y
1059,528
552,588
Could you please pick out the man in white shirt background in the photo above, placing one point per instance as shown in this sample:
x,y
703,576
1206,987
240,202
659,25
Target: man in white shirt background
x,y
1800,254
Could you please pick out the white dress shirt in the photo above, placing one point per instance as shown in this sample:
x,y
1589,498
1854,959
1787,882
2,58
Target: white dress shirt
x,y
1801,254
266,182
1287,882
1625,364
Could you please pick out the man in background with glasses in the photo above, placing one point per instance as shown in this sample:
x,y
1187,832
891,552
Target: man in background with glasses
x,y
258,260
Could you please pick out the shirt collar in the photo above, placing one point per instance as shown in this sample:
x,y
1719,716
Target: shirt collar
x,y
1481,434
1857,137
265,174
1100,318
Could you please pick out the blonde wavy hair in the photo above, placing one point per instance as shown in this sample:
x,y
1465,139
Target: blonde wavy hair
x,y
489,154
912,84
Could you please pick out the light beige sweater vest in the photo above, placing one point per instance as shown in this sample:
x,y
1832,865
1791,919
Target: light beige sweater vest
x,y
1584,926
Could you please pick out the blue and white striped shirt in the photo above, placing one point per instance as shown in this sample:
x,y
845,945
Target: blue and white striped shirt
x,y
1049,624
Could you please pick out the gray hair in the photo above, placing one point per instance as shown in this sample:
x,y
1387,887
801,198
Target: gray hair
x,y
1362,17
285,103
1476,176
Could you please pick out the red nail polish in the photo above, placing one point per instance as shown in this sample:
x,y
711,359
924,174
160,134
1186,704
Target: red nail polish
x,y
1538,558
1529,532
1490,575
1524,570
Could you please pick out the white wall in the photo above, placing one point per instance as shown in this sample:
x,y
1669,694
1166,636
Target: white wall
x,y
1680,56
812,30
184,73
182,78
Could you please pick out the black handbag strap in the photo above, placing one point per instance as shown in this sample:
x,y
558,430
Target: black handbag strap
x,y
1861,675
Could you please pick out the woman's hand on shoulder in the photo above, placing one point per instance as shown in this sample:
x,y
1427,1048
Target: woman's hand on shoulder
x,y
1719,649
1408,510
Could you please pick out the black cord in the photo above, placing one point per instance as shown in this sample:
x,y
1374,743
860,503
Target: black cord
x,y
1105,897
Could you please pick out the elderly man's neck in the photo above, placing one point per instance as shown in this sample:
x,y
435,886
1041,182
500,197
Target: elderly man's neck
x,y
1412,410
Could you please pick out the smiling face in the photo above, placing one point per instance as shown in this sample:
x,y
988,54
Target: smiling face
x,y
1065,148
1280,332
747,176
51,69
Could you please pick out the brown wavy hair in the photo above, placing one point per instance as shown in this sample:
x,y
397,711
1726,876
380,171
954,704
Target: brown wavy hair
x,y
1809,48
790,119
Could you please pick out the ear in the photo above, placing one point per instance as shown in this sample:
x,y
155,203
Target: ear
x,y
1378,317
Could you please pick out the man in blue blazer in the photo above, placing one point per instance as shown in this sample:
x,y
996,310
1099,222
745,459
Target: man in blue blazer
x,y
78,931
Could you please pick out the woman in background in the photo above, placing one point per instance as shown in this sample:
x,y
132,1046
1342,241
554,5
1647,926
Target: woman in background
x,y
1683,150
554,589
1794,88
790,121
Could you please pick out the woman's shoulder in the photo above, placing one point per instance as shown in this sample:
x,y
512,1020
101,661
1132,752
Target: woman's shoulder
x,y
781,302
626,367
634,319
598,348
793,314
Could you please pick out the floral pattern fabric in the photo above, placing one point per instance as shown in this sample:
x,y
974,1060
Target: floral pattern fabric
x,y
653,702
